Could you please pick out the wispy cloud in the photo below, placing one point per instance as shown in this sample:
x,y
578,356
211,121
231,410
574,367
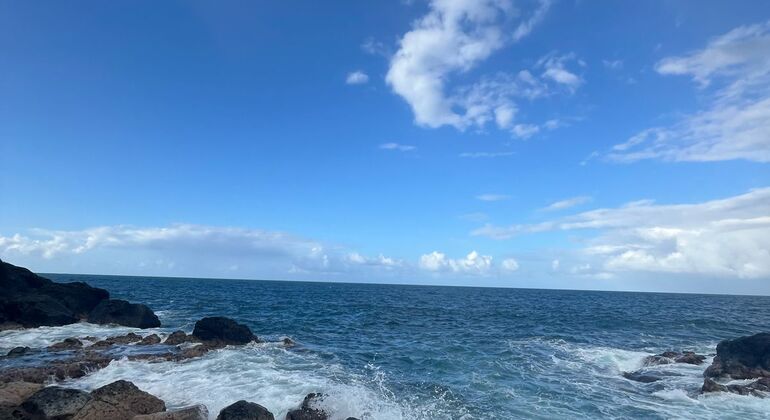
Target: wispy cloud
x,y
570,202
613,64
728,237
357,77
733,71
492,197
397,147
479,155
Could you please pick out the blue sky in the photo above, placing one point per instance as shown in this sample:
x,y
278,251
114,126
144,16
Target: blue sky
x,y
569,144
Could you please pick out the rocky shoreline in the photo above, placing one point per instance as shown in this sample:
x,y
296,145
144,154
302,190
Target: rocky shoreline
x,y
29,376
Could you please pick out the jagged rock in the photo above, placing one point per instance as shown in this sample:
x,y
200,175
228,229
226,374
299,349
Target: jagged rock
x,y
641,377
758,388
308,409
121,312
709,385
742,358
19,351
55,402
669,357
657,360
149,340
176,338
195,412
690,358
57,370
118,339
222,330
67,344
244,410
288,342
120,400
14,393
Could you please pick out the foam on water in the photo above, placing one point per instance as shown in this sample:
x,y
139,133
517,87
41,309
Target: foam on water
x,y
45,336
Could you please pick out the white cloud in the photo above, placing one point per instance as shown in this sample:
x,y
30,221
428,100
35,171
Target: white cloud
x,y
509,264
525,131
454,37
357,77
492,197
477,155
613,64
473,263
374,47
555,265
554,68
397,147
728,237
733,71
570,202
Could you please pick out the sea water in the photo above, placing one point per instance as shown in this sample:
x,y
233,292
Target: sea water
x,y
423,352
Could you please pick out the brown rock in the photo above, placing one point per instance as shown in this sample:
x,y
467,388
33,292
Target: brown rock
x,y
54,402
244,410
67,344
195,412
14,393
150,339
120,400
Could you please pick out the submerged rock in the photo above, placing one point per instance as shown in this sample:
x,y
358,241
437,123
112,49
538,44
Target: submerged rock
x,y
120,400
19,351
222,330
67,344
308,410
14,393
641,377
121,312
244,410
195,412
55,402
742,358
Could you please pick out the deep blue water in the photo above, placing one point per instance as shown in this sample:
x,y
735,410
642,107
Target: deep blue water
x,y
389,351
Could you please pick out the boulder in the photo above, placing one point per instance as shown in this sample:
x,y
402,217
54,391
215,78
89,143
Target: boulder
x,y
742,358
669,357
195,412
176,338
55,402
709,385
14,393
244,410
35,310
121,312
149,340
19,351
222,330
309,409
120,400
78,297
68,344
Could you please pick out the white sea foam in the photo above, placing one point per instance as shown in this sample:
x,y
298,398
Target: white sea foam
x,y
45,336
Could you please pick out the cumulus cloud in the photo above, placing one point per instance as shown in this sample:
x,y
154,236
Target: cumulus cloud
x,y
554,68
570,202
397,147
727,237
473,263
454,37
733,72
357,77
509,264
492,197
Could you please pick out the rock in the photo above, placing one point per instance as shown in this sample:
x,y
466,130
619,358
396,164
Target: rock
x,y
19,351
176,338
669,357
33,310
119,339
120,400
195,412
656,360
78,297
287,342
244,410
709,385
223,330
690,358
308,410
85,363
67,344
742,358
121,312
758,388
641,377
149,340
14,393
55,402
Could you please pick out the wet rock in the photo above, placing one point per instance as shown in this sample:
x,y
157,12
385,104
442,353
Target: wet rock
x,y
690,358
149,340
669,357
758,388
85,363
195,412
55,402
78,297
641,377
19,351
67,344
121,312
176,338
14,393
119,339
709,385
244,410
308,410
656,360
120,400
742,358
222,330
287,342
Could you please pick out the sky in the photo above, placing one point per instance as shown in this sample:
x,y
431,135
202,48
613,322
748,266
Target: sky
x,y
550,144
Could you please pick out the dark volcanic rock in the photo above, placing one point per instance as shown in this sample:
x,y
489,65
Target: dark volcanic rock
x,y
150,339
67,344
178,337
55,402
709,385
78,297
121,312
690,358
35,310
118,401
308,409
14,393
742,358
223,330
84,364
641,377
19,351
244,410
758,388
195,412
669,357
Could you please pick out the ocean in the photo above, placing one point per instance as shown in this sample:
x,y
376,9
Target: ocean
x,y
425,352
